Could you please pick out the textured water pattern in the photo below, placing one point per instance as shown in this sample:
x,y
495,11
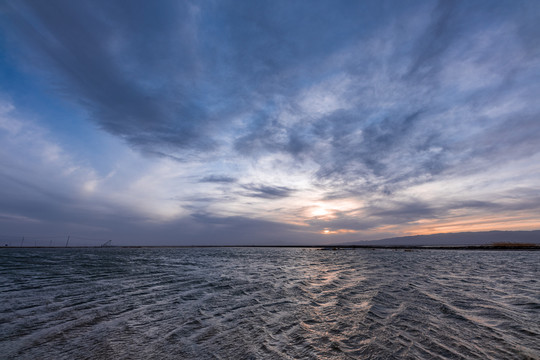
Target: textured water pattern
x,y
249,303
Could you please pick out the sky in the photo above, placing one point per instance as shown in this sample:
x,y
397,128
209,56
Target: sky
x,y
267,122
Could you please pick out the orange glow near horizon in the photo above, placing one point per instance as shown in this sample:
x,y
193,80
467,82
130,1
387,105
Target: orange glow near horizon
x,y
437,226
490,223
338,231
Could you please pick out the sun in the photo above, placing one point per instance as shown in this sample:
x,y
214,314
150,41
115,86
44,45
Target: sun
x,y
319,212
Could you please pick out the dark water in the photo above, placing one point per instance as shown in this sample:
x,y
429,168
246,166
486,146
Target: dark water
x,y
268,304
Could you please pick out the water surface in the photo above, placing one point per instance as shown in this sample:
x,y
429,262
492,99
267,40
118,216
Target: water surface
x,y
268,303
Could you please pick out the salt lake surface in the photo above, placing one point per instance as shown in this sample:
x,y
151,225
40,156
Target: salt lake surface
x,y
268,303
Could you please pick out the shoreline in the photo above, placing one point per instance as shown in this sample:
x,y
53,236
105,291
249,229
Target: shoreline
x,y
531,247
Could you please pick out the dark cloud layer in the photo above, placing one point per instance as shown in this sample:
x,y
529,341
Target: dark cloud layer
x,y
267,192
218,179
167,76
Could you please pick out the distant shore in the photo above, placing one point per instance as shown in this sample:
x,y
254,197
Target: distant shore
x,y
495,247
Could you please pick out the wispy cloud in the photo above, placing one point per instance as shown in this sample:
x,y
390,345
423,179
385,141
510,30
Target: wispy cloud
x,y
267,192
218,179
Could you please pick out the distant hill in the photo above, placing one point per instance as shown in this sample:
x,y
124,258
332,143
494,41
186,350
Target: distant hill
x,y
462,239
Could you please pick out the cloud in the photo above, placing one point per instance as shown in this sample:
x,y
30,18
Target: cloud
x,y
173,88
112,73
43,180
435,39
267,192
218,179
240,230
39,180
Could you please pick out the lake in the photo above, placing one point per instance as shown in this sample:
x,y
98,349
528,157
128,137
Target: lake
x,y
268,303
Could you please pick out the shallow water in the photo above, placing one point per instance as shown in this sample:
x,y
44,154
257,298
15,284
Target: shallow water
x,y
268,303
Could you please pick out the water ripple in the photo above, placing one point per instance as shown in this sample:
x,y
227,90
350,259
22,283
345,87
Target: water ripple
x,y
268,304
